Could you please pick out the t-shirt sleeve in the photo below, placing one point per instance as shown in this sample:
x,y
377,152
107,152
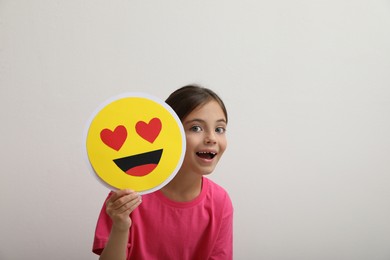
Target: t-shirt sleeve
x,y
102,231
223,249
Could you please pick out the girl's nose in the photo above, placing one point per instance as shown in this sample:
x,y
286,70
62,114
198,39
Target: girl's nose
x,y
210,138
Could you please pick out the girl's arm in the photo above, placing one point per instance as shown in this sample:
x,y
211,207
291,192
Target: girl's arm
x,y
223,248
118,207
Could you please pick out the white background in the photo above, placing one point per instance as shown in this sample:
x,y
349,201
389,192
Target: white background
x,y
306,83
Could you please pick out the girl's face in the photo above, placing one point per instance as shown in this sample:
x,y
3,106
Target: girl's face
x,y
206,138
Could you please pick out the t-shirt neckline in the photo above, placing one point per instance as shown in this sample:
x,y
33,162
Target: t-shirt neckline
x,y
185,204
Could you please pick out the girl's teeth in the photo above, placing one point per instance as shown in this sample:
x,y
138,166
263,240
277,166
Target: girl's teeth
x,y
206,155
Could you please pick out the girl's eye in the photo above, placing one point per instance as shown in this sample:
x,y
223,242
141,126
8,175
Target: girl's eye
x,y
220,130
196,128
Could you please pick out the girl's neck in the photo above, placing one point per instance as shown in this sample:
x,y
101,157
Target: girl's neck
x,y
183,187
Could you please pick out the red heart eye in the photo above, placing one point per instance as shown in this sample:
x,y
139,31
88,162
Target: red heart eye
x,y
114,139
149,131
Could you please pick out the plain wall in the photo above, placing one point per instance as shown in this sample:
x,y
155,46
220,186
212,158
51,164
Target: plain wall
x,y
306,83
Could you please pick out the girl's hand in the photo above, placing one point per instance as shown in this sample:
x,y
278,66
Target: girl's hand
x,y
120,205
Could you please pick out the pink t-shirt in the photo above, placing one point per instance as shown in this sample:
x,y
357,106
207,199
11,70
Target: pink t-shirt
x,y
165,229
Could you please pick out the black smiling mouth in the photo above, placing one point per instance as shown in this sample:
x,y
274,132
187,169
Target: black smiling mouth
x,y
139,164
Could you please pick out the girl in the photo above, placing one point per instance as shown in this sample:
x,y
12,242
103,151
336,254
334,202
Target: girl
x,y
189,218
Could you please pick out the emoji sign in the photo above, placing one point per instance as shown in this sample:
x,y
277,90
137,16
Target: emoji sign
x,y
135,141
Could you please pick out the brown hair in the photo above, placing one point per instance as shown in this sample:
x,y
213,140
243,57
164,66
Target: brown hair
x,y
185,99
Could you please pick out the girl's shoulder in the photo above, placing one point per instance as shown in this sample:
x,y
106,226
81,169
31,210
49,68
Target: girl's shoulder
x,y
217,193
214,187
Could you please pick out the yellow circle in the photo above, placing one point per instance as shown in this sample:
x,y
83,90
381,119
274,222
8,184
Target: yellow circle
x,y
135,141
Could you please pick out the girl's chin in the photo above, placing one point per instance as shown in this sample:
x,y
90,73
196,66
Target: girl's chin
x,y
207,171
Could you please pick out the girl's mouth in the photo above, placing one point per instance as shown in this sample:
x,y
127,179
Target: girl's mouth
x,y
206,155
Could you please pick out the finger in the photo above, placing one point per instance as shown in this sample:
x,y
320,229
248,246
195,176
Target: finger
x,y
130,206
119,193
123,200
115,195
123,205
